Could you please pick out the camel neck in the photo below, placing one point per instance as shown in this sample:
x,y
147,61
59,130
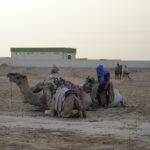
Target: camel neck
x,y
28,94
24,87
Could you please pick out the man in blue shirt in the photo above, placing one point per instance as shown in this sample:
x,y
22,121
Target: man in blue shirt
x,y
103,77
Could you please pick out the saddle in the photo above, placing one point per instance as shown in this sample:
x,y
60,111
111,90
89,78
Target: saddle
x,y
70,92
37,90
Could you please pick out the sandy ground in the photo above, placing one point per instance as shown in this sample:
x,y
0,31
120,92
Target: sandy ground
x,y
104,129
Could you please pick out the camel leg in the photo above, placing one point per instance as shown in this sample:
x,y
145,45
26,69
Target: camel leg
x,y
116,77
73,113
49,113
51,106
68,106
120,76
69,110
69,114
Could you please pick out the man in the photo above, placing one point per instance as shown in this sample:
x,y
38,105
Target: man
x,y
104,83
126,72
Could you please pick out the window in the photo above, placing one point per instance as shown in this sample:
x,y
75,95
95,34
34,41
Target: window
x,y
69,56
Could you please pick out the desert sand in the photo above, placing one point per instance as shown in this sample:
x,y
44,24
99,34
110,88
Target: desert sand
x,y
104,129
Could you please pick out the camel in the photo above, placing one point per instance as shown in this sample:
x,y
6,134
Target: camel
x,y
118,72
46,96
37,99
73,106
115,98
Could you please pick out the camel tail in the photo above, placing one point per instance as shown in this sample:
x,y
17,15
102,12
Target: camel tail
x,y
78,105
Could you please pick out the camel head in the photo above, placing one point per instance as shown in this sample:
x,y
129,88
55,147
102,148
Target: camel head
x,y
17,78
87,86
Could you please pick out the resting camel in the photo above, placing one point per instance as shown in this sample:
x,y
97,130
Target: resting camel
x,y
46,97
37,99
118,72
91,86
70,108
73,105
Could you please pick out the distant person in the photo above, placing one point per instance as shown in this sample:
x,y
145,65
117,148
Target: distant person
x,y
126,72
54,69
118,72
103,77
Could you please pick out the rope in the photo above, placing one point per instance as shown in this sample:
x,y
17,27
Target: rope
x,y
10,105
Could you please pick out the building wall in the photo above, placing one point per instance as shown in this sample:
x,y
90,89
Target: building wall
x,y
4,60
41,55
40,62
79,63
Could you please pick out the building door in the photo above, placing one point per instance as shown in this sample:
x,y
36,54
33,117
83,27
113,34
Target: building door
x,y
69,56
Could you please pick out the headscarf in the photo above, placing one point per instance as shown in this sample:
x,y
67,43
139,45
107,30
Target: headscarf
x,y
101,72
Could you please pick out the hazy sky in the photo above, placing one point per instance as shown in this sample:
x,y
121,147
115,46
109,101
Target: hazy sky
x,y
112,29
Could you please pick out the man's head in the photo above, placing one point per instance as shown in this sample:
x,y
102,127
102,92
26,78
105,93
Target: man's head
x,y
99,68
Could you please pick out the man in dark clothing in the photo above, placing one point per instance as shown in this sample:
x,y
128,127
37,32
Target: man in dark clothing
x,y
104,83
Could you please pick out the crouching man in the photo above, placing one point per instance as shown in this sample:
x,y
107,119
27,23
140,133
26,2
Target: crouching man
x,y
103,92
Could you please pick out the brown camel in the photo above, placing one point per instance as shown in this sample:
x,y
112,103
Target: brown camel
x,y
73,106
118,72
37,99
46,97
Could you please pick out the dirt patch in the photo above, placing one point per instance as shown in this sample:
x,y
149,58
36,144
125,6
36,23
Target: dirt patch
x,y
104,129
45,139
